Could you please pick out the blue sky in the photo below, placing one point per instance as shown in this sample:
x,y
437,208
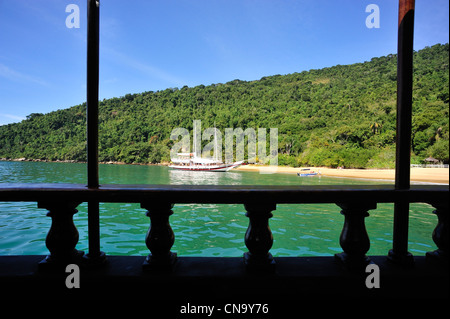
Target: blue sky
x,y
150,45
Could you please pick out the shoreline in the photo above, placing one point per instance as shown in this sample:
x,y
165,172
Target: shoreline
x,y
418,174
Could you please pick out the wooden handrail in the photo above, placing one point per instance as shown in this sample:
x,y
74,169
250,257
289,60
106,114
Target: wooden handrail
x,y
226,194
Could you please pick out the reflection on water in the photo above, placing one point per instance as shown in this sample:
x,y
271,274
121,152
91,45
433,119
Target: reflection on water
x,y
178,177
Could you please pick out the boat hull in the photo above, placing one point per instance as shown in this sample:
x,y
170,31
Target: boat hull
x,y
306,174
207,168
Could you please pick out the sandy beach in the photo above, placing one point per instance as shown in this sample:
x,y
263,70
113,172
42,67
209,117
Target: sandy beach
x,y
429,175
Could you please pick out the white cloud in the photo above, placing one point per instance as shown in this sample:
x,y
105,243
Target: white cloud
x,y
147,69
12,75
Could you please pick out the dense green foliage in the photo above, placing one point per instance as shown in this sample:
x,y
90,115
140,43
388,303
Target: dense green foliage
x,y
339,116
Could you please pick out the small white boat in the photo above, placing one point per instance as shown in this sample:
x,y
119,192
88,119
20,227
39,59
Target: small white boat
x,y
306,172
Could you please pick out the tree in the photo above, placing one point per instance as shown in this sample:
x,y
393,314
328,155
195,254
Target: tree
x,y
34,115
440,150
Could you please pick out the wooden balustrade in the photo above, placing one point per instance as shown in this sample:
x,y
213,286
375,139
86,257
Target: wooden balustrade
x,y
160,237
61,201
354,239
258,237
440,234
63,235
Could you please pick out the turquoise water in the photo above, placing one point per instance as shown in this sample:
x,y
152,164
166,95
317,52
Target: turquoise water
x,y
200,230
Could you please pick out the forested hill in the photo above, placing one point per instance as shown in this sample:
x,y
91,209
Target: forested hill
x,y
339,116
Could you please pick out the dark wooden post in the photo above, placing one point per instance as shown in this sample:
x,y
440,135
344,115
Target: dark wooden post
x,y
258,237
354,239
95,257
399,253
160,237
92,79
62,237
440,233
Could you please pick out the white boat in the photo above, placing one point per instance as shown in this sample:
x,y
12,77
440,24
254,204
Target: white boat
x,y
193,162
190,162
307,172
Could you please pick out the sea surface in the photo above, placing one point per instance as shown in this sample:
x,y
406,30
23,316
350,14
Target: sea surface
x,y
200,229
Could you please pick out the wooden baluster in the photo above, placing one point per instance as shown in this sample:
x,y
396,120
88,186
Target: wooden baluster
x,y
354,239
258,238
62,237
160,237
440,233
